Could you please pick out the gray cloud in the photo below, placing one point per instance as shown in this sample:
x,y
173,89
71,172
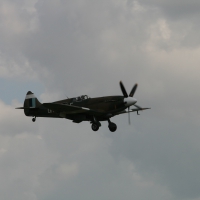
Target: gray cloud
x,y
167,153
77,47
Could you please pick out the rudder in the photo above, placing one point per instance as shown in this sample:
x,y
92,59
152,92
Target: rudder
x,y
31,101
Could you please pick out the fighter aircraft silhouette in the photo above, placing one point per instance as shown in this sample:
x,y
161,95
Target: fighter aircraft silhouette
x,y
83,108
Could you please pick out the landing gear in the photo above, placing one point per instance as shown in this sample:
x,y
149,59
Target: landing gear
x,y
95,127
34,119
112,126
95,124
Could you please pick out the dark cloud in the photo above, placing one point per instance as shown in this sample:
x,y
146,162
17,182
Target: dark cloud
x,y
175,9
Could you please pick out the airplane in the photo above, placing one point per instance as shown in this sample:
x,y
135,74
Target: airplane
x,y
84,108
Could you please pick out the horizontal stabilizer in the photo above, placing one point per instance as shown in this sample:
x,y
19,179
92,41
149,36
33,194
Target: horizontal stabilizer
x,y
27,108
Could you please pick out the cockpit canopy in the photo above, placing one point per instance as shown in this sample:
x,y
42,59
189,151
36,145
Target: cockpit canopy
x,y
81,98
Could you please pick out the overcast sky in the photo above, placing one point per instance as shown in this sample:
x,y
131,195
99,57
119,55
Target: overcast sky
x,y
59,48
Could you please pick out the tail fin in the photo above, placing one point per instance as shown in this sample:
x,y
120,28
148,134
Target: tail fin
x,y
31,101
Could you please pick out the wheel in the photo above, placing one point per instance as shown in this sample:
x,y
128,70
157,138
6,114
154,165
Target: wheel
x,y
112,127
33,119
95,127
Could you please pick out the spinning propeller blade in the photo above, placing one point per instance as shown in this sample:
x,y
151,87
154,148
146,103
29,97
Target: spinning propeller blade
x,y
123,89
138,107
129,119
133,90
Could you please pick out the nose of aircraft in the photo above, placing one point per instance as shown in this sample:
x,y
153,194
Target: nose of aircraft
x,y
130,101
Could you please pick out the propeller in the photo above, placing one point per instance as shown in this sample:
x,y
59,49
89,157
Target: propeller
x,y
133,90
126,95
129,118
138,107
123,89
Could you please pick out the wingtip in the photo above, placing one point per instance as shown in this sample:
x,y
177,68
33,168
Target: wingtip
x,y
146,108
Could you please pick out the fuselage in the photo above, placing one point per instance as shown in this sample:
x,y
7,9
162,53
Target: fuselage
x,y
108,106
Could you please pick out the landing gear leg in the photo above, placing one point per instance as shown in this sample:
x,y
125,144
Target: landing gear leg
x,y
34,119
112,126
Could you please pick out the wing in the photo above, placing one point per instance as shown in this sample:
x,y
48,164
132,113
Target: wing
x,y
132,110
69,109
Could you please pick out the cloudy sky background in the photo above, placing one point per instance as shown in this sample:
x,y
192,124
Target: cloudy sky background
x,y
58,48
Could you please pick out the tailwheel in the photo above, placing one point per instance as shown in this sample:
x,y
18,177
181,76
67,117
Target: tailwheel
x,y
112,127
95,127
34,119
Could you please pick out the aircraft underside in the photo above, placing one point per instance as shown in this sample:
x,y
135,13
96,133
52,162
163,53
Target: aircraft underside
x,y
95,121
